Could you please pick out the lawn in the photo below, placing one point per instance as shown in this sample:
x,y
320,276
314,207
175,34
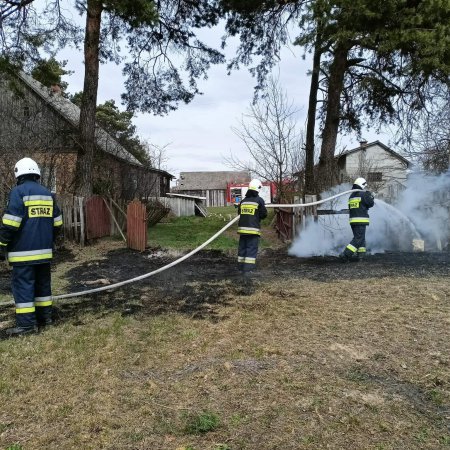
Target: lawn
x,y
309,354
187,233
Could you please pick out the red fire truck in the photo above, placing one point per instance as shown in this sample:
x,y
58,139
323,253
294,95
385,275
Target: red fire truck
x,y
236,192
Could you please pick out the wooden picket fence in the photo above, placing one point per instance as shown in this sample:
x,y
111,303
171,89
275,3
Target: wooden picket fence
x,y
92,219
72,209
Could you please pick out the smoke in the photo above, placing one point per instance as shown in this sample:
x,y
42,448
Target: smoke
x,y
421,211
426,201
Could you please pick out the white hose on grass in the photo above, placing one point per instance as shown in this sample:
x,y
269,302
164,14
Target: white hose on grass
x,y
154,272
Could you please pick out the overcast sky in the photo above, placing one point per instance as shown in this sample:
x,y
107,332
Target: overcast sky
x,y
199,134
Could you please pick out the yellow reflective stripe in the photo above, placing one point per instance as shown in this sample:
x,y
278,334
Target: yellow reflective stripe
x,y
241,259
57,223
352,248
12,223
250,260
361,249
30,258
38,203
359,220
3,244
25,310
40,304
249,232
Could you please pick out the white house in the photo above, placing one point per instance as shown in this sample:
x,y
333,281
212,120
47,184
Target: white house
x,y
384,169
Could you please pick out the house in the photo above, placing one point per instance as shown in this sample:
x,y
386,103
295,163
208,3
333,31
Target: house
x,y
39,122
214,186
384,169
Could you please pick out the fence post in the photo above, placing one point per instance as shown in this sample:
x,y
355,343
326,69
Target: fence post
x,y
81,206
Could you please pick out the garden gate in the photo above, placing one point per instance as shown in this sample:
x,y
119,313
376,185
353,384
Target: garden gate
x,y
98,218
136,225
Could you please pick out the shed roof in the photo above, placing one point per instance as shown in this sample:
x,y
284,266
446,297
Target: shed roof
x,y
71,113
189,197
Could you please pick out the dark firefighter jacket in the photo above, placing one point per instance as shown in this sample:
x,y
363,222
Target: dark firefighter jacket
x,y
29,223
251,210
359,204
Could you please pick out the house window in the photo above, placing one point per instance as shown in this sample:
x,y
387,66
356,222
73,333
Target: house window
x,y
26,111
374,176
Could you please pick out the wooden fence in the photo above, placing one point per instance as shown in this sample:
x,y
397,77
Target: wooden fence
x,y
98,218
95,218
291,220
137,226
72,209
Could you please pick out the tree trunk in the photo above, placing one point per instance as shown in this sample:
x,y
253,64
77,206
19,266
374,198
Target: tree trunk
x,y
311,125
89,100
327,166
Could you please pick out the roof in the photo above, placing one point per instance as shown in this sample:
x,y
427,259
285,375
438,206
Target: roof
x,y
189,197
211,180
373,144
71,113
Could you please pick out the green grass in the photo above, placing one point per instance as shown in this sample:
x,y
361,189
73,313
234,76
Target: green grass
x,y
186,233
189,232
201,423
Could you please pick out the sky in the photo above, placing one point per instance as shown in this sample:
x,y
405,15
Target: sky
x,y
199,135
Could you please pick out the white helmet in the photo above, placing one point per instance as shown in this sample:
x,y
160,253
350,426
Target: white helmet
x,y
26,166
255,185
361,182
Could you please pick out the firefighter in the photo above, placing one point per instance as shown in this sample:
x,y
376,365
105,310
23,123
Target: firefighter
x,y
27,233
359,204
252,210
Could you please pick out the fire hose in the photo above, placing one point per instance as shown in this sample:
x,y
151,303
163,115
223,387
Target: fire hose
x,y
191,253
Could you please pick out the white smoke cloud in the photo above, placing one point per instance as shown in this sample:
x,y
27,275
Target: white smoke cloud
x,y
426,201
421,212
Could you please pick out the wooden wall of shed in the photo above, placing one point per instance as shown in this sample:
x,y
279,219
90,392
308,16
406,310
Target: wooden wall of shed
x,y
214,197
30,125
32,128
180,207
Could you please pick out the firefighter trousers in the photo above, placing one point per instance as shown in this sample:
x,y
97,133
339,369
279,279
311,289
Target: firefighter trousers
x,y
247,251
357,245
31,287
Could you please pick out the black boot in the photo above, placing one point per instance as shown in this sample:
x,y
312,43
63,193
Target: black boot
x,y
19,331
343,257
45,323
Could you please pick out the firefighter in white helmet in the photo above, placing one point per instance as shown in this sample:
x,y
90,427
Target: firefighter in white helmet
x,y
27,233
359,204
252,210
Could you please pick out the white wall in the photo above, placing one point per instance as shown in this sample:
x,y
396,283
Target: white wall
x,y
376,159
179,206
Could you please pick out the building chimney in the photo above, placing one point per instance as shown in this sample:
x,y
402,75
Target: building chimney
x,y
362,143
55,89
